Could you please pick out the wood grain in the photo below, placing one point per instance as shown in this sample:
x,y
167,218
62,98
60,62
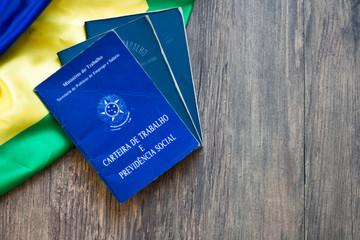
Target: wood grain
x,y
332,120
278,91
250,67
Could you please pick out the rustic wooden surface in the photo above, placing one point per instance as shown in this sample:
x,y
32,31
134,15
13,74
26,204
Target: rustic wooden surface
x,y
278,90
332,119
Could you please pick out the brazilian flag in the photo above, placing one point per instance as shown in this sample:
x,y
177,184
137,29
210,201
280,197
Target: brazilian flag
x,y
30,138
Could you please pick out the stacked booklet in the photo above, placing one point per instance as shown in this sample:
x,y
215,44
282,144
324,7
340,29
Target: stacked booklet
x,y
126,98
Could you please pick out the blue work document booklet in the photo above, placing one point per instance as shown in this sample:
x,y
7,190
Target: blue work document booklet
x,y
116,116
170,29
140,38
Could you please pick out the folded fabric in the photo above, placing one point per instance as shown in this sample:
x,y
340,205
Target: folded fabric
x,y
30,138
15,17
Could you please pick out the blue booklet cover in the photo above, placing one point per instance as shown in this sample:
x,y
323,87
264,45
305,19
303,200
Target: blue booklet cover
x,y
170,28
141,39
116,116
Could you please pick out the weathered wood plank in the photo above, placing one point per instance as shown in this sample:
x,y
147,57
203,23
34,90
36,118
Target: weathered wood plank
x,y
332,120
251,96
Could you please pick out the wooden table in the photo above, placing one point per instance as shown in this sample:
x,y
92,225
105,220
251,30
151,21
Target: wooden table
x,y
279,98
